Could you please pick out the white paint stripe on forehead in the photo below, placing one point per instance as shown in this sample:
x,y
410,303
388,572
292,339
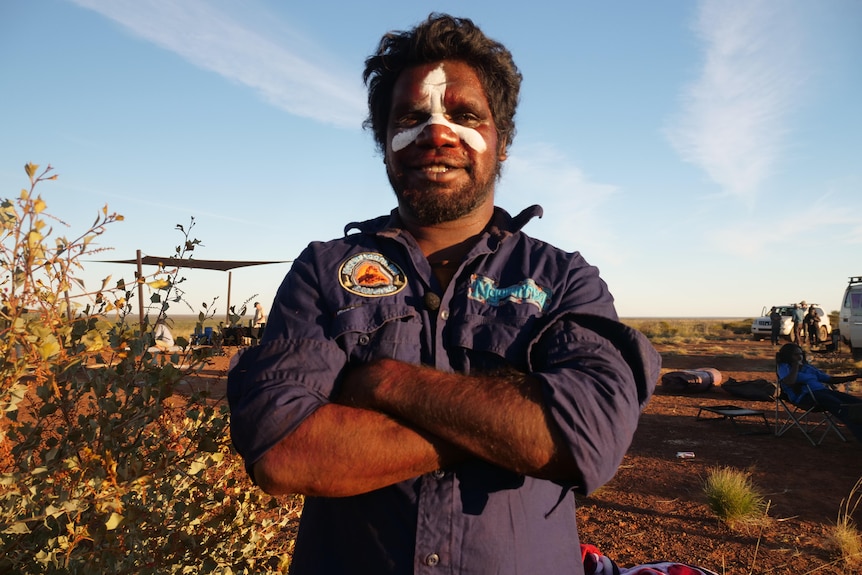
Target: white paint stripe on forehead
x,y
434,87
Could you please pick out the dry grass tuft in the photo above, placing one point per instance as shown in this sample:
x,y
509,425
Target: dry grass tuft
x,y
733,497
844,536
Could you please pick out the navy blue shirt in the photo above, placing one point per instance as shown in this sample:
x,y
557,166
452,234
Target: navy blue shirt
x,y
515,302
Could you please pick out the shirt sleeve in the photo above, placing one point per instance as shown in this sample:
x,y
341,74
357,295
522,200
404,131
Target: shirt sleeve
x,y
598,376
807,376
273,387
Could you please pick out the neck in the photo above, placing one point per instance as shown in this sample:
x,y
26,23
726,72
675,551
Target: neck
x,y
449,240
446,244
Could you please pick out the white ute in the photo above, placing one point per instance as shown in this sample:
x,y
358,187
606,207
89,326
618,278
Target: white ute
x,y
761,328
850,316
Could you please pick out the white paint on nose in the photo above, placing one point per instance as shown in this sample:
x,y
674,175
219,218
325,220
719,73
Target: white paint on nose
x,y
434,87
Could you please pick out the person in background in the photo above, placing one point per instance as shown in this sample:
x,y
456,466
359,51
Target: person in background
x,y
163,339
775,318
798,321
438,384
259,321
797,377
812,326
803,307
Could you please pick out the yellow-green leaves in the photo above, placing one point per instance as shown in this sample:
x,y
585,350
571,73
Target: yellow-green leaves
x,y
49,348
93,340
159,284
113,521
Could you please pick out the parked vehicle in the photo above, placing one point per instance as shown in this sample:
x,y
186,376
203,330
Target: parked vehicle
x,y
850,316
761,327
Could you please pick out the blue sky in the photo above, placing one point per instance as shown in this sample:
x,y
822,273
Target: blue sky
x,y
706,156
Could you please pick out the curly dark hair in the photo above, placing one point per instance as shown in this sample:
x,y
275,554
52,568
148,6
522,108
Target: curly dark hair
x,y
785,353
442,37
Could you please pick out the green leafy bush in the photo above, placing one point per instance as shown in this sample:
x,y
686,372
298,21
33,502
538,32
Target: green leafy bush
x,y
111,461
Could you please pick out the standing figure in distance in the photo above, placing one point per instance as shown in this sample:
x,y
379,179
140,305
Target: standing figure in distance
x,y
798,321
439,384
775,318
812,326
259,321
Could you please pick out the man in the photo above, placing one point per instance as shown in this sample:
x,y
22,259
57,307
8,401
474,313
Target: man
x,y
259,317
775,318
798,320
439,383
803,311
259,321
812,326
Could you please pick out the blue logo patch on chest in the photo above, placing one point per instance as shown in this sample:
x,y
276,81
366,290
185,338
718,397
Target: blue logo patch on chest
x,y
485,290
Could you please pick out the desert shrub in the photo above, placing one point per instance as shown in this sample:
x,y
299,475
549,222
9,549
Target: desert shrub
x,y
738,327
688,330
106,468
732,496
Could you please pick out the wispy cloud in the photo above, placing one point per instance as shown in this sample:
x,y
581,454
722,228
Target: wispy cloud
x,y
575,217
819,223
735,116
209,38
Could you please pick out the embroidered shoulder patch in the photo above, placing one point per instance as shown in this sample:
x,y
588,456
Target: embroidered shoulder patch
x,y
370,274
485,290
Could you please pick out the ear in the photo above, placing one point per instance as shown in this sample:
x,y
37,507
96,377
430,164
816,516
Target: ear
x,y
502,153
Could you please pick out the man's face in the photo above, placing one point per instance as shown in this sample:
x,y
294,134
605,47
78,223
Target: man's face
x,y
442,153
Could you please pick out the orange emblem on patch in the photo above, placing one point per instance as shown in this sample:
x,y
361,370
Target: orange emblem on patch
x,y
370,274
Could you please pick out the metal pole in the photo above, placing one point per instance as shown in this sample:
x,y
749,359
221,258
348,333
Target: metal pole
x,y
140,282
227,314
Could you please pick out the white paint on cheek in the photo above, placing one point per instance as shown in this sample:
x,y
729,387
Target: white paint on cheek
x,y
434,87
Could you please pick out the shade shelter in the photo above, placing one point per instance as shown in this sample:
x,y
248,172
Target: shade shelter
x,y
219,265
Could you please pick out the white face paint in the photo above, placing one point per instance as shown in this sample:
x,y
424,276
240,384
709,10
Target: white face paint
x,y
434,87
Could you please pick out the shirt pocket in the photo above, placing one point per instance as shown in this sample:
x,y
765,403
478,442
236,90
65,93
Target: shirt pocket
x,y
490,342
370,332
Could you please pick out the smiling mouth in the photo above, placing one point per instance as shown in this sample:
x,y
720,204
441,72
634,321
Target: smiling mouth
x,y
437,169
439,173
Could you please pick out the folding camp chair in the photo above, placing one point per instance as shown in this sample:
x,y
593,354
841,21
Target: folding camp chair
x,y
806,415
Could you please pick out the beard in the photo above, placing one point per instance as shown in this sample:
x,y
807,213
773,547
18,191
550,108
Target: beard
x,y
437,203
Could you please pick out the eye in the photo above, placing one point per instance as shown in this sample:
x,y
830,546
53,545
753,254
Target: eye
x,y
409,120
467,119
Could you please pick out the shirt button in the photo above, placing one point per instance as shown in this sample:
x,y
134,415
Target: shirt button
x,y
432,560
364,339
438,474
444,314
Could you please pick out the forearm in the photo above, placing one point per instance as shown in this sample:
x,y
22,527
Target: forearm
x,y
501,419
340,451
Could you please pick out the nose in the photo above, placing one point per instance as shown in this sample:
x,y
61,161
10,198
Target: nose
x,y
436,135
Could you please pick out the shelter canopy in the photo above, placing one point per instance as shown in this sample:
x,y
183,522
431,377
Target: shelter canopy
x,y
218,265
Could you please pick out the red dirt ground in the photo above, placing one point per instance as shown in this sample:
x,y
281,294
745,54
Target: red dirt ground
x,y
655,509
